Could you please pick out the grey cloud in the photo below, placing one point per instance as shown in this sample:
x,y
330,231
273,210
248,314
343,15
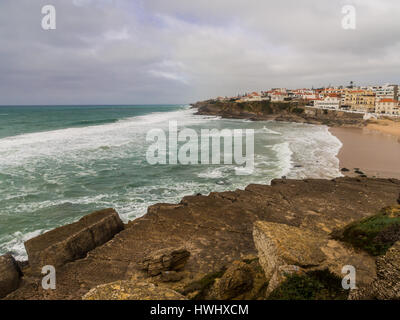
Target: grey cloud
x,y
179,51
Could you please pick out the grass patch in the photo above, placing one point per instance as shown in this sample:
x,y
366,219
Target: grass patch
x,y
374,234
315,285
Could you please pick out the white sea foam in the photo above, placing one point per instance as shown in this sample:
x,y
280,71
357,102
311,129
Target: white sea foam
x,y
284,154
265,129
312,148
212,173
315,152
68,142
15,243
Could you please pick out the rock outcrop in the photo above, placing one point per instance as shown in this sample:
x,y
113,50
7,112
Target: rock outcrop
x,y
294,111
165,260
9,275
217,230
281,244
73,241
128,290
285,249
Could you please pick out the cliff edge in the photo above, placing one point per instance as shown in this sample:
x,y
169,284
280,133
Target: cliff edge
x,y
279,111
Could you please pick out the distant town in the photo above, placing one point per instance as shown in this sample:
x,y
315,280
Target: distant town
x,y
378,100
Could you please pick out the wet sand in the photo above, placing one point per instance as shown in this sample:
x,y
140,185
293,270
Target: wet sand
x,y
374,153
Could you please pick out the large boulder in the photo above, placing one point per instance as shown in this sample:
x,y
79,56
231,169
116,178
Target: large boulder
x,y
73,241
285,250
129,290
279,244
9,275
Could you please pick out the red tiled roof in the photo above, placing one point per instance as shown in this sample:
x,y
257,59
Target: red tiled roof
x,y
387,100
278,93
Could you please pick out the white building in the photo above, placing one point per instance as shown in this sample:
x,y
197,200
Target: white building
x,y
387,106
282,90
278,96
387,91
309,96
255,96
331,101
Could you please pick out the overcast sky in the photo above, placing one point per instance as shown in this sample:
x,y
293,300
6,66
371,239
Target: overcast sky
x,y
181,51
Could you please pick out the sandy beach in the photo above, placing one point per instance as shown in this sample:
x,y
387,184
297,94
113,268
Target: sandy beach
x,y
385,126
375,153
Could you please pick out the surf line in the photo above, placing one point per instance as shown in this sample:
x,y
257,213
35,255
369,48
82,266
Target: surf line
x,y
187,147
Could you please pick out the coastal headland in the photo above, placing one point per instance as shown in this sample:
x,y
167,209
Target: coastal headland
x,y
290,111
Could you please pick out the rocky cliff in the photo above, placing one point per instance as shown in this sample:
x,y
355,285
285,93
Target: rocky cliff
x,y
279,111
237,244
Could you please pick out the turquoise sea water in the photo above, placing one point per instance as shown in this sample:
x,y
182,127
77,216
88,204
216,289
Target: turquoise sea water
x,y
58,163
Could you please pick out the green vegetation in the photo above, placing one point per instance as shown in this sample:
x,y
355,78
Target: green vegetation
x,y
315,285
374,234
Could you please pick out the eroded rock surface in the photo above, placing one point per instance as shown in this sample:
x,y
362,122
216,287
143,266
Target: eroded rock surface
x,y
129,290
165,260
282,248
216,230
280,244
73,241
386,286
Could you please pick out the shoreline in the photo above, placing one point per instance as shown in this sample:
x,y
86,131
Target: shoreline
x,y
370,147
369,152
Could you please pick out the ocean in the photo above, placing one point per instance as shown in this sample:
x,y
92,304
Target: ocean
x,y
59,163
